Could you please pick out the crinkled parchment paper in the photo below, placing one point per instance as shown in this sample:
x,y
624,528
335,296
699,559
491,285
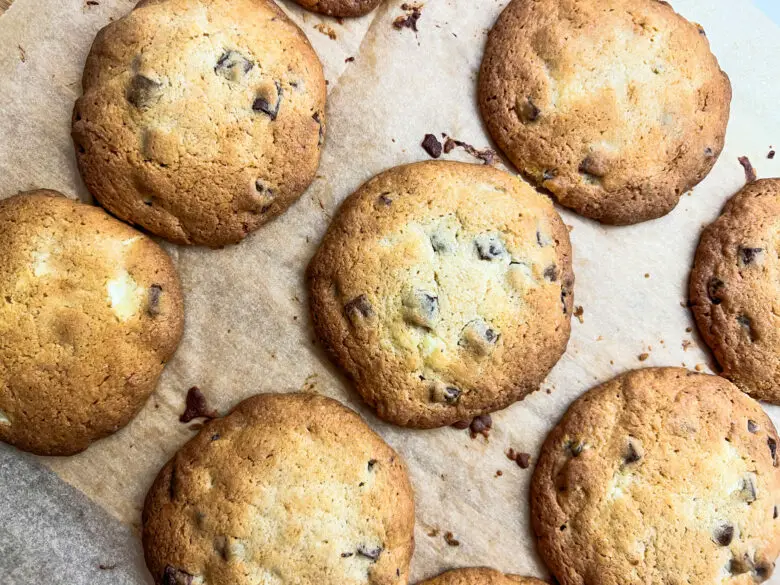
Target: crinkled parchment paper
x,y
248,328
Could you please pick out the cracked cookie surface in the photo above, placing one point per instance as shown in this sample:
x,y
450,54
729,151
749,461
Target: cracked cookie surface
x,y
90,311
201,119
445,290
616,107
660,475
287,489
734,289
480,576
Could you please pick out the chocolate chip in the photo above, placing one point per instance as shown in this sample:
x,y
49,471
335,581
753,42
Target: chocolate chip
x,y
445,393
371,464
214,437
723,534
523,460
385,200
197,407
715,288
478,336
771,155
153,301
762,571
574,448
174,576
358,309
551,273
750,172
233,65
269,105
489,247
143,91
481,425
774,515
749,255
633,453
549,175
708,152
747,325
421,308
346,555
369,552
564,294
413,14
752,426
450,539
316,117
739,566
527,110
772,449
431,145
748,491
593,165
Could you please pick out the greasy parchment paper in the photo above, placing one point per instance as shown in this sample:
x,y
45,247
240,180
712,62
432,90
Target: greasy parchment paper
x,y
247,323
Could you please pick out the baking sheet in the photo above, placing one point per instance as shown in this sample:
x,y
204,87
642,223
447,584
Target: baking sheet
x,y
247,323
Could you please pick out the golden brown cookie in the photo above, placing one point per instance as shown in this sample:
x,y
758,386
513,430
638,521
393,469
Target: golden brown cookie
x,y
480,576
445,290
660,475
90,311
201,119
287,489
616,107
340,8
735,289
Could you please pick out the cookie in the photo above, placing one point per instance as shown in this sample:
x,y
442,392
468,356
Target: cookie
x,y
616,107
660,475
289,489
201,119
734,291
480,576
340,8
445,290
90,311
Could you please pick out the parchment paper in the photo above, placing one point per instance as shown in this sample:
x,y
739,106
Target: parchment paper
x,y
248,328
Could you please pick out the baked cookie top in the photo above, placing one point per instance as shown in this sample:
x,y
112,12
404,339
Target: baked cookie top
x,y
289,489
734,289
201,119
659,476
90,311
340,8
445,291
616,107
480,576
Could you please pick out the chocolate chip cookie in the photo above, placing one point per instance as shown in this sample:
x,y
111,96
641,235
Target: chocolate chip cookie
x,y
286,489
480,576
616,107
340,8
659,476
201,119
90,311
445,290
734,289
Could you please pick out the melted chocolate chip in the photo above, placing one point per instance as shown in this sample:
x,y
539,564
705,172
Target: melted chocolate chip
x,y
574,448
632,454
174,576
527,111
421,308
594,166
479,337
232,65
481,424
371,464
752,426
772,449
749,255
431,145
723,534
143,91
451,394
385,200
269,105
750,172
715,288
197,407
489,247
358,309
369,552
551,273
153,300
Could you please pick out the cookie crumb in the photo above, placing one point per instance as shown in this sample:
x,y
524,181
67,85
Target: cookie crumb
x,y
578,311
22,54
349,60
93,3
647,275
450,539
699,367
750,172
107,567
433,532
688,329
431,145
326,30
499,473
408,20
196,406
643,356
771,155
686,344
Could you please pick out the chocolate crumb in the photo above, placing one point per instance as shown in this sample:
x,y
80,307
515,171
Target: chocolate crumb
x,y
349,60
643,356
771,155
197,407
499,473
107,567
408,20
450,539
578,312
487,155
522,459
433,532
22,54
431,145
750,172
481,425
93,3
